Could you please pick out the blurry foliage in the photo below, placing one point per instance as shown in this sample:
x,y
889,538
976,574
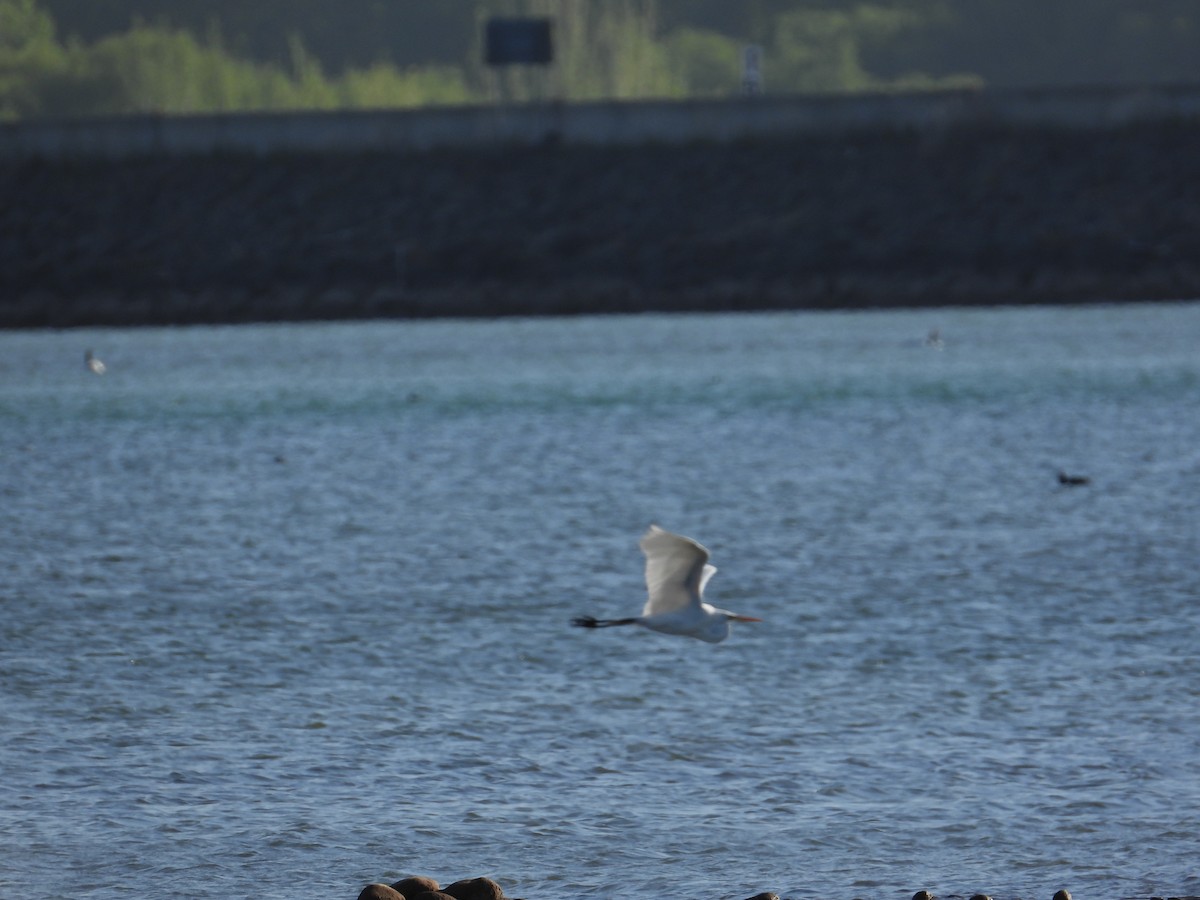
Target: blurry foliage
x,y
707,63
823,48
171,56
165,70
29,56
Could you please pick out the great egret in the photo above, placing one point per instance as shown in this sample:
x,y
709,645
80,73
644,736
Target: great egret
x,y
677,570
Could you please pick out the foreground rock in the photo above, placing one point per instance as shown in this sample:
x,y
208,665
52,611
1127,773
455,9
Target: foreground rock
x,y
416,885
419,887
380,892
475,889
422,888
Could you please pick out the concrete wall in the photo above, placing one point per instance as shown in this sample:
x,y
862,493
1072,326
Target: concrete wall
x,y
587,123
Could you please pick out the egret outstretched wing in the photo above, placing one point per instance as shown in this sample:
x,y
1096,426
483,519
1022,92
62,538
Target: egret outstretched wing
x,y
676,571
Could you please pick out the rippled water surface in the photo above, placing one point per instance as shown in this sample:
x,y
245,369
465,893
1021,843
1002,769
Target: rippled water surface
x,y
285,608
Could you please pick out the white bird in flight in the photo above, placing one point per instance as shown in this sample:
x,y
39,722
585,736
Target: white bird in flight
x,y
677,570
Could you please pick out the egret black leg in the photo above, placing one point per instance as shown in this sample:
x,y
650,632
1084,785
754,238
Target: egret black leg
x,y
593,622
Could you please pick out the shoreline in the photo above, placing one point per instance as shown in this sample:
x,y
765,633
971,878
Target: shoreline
x,y
109,311
969,216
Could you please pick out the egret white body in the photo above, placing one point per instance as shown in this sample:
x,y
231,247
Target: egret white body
x,y
677,570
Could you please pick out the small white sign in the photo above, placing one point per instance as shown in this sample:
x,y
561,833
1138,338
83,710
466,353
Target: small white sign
x,y
752,70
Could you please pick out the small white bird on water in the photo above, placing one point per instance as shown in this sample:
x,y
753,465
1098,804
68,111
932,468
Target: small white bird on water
x,y
94,363
677,570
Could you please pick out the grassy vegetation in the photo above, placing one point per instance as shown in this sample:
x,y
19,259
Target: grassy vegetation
x,y
604,49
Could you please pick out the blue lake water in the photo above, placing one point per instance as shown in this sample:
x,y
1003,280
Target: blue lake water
x,y
285,608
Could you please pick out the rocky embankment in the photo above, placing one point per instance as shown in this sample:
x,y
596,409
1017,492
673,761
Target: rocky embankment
x,y
967,215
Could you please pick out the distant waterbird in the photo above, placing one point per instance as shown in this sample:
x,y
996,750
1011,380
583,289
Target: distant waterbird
x,y
94,363
1072,480
677,570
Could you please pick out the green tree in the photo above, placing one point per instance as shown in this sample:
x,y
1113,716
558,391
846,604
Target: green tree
x,y
706,63
383,85
311,84
23,25
28,51
157,69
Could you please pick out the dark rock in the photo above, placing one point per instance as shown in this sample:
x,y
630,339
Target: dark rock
x,y
379,892
1062,895
765,895
980,897
416,884
475,889
433,895
923,895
